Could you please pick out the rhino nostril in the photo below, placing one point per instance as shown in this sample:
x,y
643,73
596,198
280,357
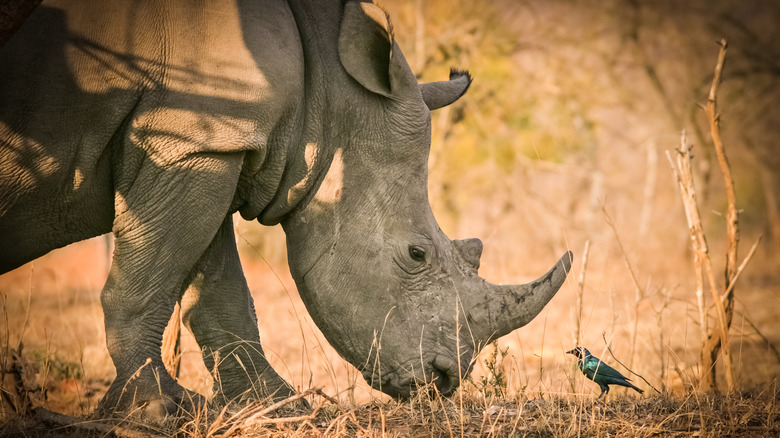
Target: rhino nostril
x,y
444,376
442,382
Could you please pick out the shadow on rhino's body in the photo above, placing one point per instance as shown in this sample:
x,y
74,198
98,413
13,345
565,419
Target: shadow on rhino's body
x,y
96,124
67,160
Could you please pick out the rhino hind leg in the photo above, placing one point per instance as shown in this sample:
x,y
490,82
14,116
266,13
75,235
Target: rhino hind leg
x,y
157,244
219,311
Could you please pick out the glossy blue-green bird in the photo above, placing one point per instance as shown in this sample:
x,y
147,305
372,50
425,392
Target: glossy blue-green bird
x,y
601,373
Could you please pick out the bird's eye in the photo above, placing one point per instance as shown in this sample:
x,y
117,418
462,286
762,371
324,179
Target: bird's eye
x,y
416,253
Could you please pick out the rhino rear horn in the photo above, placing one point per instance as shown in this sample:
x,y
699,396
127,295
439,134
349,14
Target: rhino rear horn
x,y
442,93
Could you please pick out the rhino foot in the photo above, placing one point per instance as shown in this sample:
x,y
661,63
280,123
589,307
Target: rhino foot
x,y
262,391
151,399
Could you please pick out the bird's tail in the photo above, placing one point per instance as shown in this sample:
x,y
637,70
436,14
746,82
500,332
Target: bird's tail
x,y
635,388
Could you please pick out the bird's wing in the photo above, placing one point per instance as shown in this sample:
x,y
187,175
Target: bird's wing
x,y
603,370
588,368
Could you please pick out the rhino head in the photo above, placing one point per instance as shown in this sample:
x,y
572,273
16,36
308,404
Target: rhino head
x,y
389,290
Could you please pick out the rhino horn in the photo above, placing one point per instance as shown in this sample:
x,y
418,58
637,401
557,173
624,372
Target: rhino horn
x,y
499,309
442,93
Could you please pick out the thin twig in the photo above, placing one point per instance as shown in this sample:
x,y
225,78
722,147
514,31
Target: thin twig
x,y
319,392
279,420
604,336
357,423
29,302
581,292
742,265
761,335
578,308
665,293
694,429
608,219
639,291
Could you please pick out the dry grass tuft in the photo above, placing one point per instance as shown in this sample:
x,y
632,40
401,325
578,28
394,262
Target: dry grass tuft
x,y
429,415
522,385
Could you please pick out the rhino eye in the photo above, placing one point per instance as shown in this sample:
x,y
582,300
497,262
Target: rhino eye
x,y
416,253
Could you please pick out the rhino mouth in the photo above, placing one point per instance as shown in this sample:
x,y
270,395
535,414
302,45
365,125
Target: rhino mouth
x,y
441,373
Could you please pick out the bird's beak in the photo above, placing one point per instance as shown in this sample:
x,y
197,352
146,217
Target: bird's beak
x,y
573,352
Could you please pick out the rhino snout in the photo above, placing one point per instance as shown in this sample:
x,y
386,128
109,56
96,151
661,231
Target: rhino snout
x,y
441,371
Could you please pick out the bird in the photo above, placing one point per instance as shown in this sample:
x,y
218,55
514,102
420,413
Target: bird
x,y
601,373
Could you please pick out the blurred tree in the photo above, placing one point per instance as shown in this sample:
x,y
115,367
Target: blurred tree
x,y
562,86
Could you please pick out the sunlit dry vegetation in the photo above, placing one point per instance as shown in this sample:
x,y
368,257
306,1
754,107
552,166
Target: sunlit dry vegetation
x,y
560,143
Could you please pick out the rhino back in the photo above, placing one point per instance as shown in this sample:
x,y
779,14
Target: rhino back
x,y
90,91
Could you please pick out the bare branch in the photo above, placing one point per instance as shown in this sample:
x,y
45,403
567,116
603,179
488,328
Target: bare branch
x,y
703,265
725,310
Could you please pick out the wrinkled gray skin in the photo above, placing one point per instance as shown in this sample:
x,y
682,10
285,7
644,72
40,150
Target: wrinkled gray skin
x,y
157,120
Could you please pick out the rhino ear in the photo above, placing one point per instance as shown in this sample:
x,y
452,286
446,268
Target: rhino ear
x,y
443,93
368,51
365,46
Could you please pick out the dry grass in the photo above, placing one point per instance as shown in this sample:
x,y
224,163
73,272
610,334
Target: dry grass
x,y
54,305
429,415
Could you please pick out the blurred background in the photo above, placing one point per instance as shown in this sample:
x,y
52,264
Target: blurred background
x,y
565,129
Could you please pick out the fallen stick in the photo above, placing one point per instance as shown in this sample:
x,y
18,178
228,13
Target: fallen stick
x,y
248,419
62,420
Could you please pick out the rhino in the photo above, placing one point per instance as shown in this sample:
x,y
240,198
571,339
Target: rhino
x,y
156,120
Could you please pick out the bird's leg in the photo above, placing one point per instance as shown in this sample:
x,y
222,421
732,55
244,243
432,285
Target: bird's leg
x,y
604,392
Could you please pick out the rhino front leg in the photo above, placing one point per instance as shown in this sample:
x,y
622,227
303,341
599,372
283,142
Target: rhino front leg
x,y
165,220
218,309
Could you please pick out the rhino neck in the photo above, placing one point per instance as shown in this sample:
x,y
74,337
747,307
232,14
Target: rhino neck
x,y
315,226
307,138
322,230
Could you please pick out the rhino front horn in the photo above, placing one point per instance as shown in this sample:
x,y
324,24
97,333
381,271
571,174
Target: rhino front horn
x,y
501,309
